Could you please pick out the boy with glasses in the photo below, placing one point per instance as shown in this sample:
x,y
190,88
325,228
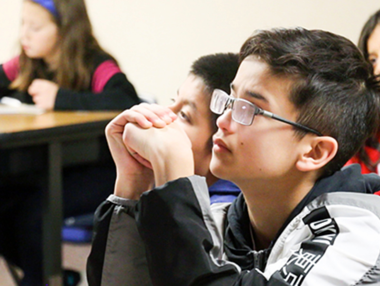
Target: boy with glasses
x,y
301,105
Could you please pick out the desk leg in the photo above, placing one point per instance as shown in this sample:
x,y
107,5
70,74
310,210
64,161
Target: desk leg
x,y
52,218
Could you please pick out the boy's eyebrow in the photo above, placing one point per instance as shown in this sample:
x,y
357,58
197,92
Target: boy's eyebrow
x,y
251,94
190,103
187,102
256,95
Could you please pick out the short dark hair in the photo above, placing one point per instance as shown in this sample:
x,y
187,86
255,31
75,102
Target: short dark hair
x,y
366,32
332,88
217,71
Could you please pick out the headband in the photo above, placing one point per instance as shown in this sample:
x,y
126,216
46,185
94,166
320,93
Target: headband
x,y
49,5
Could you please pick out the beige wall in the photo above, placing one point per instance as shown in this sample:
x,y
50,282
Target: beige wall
x,y
156,41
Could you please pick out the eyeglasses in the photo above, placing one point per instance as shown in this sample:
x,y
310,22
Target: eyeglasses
x,y
244,112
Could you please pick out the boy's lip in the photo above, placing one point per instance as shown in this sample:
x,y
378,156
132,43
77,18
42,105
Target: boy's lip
x,y
219,143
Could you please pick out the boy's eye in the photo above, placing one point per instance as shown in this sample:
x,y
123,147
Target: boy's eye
x,y
184,116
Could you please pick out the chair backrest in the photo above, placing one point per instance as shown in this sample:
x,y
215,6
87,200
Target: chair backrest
x,y
78,229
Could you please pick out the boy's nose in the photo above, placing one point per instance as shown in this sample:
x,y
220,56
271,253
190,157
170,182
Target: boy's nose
x,y
376,69
224,120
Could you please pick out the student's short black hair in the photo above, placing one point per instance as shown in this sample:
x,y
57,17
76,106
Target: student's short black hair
x,y
217,71
366,32
332,89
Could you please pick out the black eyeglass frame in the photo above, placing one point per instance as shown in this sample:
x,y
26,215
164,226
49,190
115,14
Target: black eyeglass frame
x,y
258,111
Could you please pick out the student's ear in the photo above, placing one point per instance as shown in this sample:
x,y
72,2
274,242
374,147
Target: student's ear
x,y
318,151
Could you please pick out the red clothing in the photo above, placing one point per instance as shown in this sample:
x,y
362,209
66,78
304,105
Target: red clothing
x,y
373,155
11,68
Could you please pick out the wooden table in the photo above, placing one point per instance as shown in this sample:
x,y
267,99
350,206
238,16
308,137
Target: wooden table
x,y
50,132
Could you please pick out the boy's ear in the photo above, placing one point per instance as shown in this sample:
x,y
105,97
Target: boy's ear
x,y
318,152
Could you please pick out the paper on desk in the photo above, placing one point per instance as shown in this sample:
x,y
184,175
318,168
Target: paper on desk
x,y
10,105
21,109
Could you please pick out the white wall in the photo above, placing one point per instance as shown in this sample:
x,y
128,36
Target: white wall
x,y
156,41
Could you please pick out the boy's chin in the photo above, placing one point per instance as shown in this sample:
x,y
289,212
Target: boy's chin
x,y
217,169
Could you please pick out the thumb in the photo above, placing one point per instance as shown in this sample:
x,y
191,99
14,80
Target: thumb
x,y
139,158
31,89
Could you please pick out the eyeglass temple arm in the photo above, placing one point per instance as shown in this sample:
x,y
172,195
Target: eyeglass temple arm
x,y
295,124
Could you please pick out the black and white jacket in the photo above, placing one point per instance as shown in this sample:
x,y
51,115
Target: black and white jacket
x,y
331,238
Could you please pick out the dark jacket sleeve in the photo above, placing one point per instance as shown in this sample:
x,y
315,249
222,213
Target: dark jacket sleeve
x,y
117,255
118,94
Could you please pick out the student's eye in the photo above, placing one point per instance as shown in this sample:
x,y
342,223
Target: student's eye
x,y
184,116
372,60
36,29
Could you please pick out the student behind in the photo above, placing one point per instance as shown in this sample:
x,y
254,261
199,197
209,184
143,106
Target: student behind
x,y
61,67
110,262
369,43
301,104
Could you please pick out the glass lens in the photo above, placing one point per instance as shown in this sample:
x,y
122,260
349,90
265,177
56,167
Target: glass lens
x,y
243,112
218,101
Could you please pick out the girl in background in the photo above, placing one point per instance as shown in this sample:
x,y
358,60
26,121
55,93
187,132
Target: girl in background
x,y
369,43
61,67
